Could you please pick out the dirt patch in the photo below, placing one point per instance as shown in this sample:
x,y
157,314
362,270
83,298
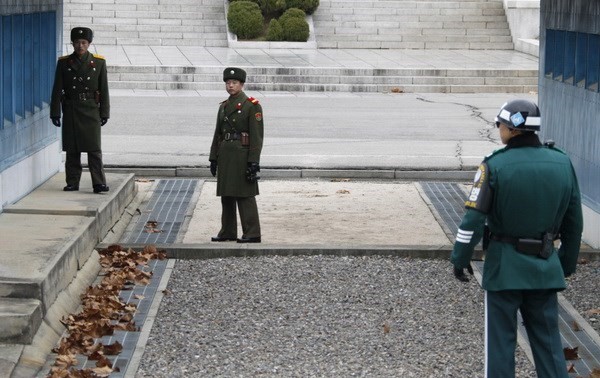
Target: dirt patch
x,y
329,213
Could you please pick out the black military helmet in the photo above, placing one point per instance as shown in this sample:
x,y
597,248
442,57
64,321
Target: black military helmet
x,y
234,73
519,115
82,33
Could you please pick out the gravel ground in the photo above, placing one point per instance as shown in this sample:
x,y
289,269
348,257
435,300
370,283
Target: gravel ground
x,y
318,316
582,292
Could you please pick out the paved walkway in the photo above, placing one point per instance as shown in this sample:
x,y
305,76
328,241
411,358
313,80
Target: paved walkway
x,y
319,58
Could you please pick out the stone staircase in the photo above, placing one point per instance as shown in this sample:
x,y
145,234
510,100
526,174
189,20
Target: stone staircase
x,y
412,24
148,23
313,79
338,24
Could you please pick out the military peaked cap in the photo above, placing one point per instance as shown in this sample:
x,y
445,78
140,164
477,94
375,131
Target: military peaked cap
x,y
82,33
235,74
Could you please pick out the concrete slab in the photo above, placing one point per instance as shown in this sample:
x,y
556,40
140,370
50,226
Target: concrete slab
x,y
106,208
43,253
9,356
312,214
20,319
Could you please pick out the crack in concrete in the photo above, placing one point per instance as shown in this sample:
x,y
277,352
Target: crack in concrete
x,y
486,131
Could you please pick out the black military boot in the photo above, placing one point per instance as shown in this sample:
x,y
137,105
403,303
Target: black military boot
x,y
100,188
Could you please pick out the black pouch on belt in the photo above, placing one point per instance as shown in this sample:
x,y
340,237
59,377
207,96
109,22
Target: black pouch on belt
x,y
245,139
529,246
547,245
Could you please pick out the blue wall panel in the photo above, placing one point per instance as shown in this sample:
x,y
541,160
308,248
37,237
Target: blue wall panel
x,y
571,109
28,51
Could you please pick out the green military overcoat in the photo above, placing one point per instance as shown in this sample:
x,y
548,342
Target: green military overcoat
x,y
81,90
534,190
237,114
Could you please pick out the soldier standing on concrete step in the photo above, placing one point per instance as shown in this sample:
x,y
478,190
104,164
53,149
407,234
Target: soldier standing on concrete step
x,y
235,150
81,91
528,194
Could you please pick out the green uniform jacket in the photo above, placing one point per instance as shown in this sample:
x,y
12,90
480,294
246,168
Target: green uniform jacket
x,y
75,85
534,190
245,115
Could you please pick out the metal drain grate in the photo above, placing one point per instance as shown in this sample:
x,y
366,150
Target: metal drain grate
x,y
142,296
164,213
448,199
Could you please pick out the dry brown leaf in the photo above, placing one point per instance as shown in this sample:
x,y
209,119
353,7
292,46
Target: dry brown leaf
x,y
576,327
594,311
571,353
595,373
386,328
113,349
103,371
340,180
397,90
103,312
570,368
343,191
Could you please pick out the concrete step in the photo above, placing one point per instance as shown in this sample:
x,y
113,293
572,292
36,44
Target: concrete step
x,y
51,238
170,23
19,319
397,24
302,87
327,79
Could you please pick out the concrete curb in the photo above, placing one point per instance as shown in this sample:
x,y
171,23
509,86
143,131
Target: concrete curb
x,y
224,250
299,173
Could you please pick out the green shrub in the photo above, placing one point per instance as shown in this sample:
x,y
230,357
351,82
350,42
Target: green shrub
x,y
272,7
289,14
245,19
275,31
296,29
308,6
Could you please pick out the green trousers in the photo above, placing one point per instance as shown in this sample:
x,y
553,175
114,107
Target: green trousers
x,y
73,168
248,217
539,309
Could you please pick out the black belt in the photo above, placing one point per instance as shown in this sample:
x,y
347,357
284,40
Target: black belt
x,y
231,136
527,246
504,239
83,96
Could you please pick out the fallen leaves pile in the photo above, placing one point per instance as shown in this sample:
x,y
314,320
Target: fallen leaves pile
x,y
103,312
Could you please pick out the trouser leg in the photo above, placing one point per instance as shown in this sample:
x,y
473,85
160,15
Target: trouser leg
x,y
228,218
96,167
249,217
73,168
501,332
540,315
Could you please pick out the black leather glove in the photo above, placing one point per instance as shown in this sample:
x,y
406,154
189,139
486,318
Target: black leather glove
x,y
55,121
460,273
103,121
253,167
213,168
251,171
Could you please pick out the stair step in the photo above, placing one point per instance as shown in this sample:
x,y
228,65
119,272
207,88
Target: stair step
x,y
19,319
301,87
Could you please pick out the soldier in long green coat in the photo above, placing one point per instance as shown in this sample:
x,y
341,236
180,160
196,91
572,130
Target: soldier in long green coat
x,y
81,92
528,194
235,150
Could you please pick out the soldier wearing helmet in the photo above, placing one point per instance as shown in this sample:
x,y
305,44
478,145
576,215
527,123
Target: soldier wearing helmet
x,y
524,197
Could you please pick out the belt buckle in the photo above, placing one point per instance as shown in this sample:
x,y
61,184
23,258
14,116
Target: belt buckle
x,y
82,96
